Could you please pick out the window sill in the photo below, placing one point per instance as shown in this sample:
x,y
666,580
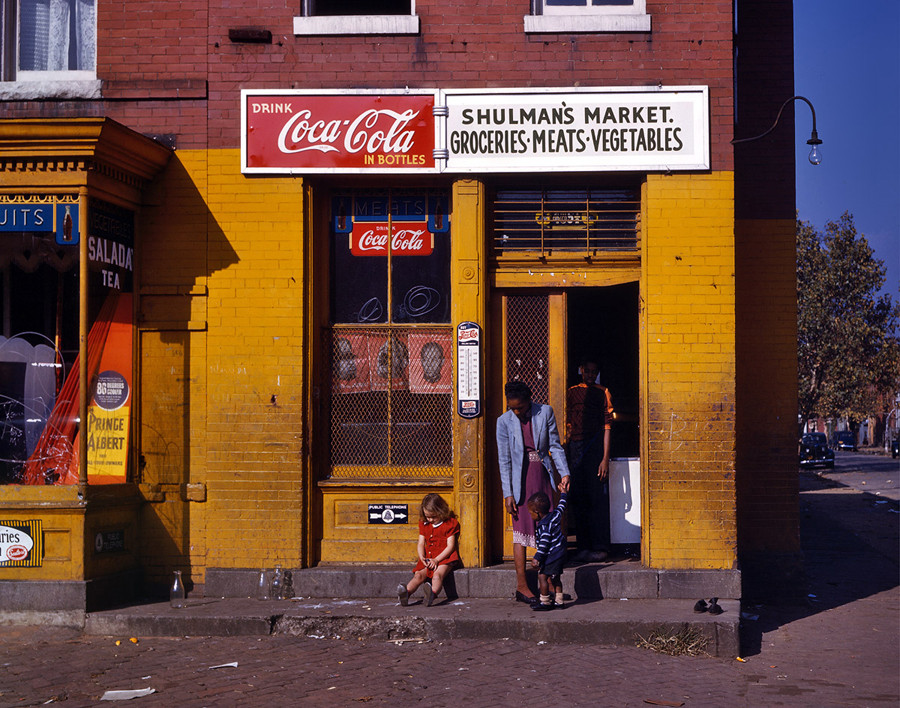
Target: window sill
x,y
357,24
38,89
535,24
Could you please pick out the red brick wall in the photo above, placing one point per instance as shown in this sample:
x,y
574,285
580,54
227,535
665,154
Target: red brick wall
x,y
168,66
764,179
766,301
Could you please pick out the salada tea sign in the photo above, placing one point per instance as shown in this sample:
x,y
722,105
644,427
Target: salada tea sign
x,y
297,131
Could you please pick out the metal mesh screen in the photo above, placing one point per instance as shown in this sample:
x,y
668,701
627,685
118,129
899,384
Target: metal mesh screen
x,y
526,342
567,220
391,401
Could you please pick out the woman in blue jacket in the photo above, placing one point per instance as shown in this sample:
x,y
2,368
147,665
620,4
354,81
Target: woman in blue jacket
x,y
528,449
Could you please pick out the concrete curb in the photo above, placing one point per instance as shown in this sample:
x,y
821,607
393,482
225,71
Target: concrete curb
x,y
606,623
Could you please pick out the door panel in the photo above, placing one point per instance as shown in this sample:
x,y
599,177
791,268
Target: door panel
x,y
534,351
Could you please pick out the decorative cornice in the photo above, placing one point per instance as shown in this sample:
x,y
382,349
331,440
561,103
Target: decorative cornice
x,y
80,145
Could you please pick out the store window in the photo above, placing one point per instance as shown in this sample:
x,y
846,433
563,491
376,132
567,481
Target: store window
x,y
49,39
357,17
40,425
588,16
390,340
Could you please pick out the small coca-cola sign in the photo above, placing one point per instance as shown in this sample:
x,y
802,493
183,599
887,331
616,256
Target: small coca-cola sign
x,y
407,238
337,132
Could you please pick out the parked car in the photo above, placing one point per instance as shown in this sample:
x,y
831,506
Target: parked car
x,y
814,451
895,448
845,440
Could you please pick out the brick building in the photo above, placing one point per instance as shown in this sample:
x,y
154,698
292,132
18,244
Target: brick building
x,y
197,201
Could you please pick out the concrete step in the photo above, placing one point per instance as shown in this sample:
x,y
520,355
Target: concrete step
x,y
606,623
585,581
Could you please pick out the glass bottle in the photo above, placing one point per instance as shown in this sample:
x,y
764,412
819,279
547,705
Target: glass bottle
x,y
262,585
287,590
176,593
277,583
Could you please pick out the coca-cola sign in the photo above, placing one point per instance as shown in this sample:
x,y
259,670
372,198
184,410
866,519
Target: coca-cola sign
x,y
407,238
330,132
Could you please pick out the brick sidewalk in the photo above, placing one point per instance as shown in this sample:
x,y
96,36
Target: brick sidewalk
x,y
840,649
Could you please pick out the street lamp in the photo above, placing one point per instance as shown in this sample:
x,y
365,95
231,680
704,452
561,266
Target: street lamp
x,y
815,156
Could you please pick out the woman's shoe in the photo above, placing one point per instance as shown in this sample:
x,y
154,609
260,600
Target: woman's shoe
x,y
524,598
403,595
429,594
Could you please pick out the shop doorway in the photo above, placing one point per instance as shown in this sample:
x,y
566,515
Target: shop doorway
x,y
545,335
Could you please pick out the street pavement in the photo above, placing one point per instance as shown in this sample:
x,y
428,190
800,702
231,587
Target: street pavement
x,y
876,474
839,648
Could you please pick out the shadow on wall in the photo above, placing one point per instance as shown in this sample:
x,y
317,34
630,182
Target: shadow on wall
x,y
182,246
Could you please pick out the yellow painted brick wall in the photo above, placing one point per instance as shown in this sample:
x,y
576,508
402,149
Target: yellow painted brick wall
x,y
255,364
223,337
688,321
176,228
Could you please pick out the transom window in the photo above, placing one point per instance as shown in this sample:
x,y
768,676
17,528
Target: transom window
x,y
566,221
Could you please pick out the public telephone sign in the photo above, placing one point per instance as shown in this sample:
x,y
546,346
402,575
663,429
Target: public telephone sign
x,y
328,131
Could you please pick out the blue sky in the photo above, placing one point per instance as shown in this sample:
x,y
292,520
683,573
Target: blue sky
x,y
847,62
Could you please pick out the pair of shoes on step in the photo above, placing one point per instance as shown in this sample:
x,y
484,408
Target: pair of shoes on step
x,y
590,556
403,594
712,606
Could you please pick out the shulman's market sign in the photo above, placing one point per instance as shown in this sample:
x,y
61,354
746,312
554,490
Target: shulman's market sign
x,y
475,130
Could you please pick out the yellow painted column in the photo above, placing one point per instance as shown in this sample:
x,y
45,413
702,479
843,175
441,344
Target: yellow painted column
x,y
469,303
688,294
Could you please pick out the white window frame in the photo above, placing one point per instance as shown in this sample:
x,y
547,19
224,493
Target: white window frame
x,y
30,85
587,18
309,25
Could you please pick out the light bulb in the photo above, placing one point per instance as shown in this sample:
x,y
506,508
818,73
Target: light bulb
x,y
815,155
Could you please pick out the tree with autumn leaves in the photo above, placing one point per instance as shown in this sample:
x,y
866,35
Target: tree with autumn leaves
x,y
848,345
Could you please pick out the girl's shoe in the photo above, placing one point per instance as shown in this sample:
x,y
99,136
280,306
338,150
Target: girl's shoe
x,y
429,594
403,595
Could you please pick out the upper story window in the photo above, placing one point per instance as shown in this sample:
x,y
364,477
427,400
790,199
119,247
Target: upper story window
x,y
588,16
357,17
49,49
48,39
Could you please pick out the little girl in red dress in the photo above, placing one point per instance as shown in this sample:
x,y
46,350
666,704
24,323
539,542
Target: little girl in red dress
x,y
438,555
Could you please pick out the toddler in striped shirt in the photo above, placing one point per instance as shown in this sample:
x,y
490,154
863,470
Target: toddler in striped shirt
x,y
551,548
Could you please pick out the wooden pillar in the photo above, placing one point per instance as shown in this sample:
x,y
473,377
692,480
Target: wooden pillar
x,y
469,303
